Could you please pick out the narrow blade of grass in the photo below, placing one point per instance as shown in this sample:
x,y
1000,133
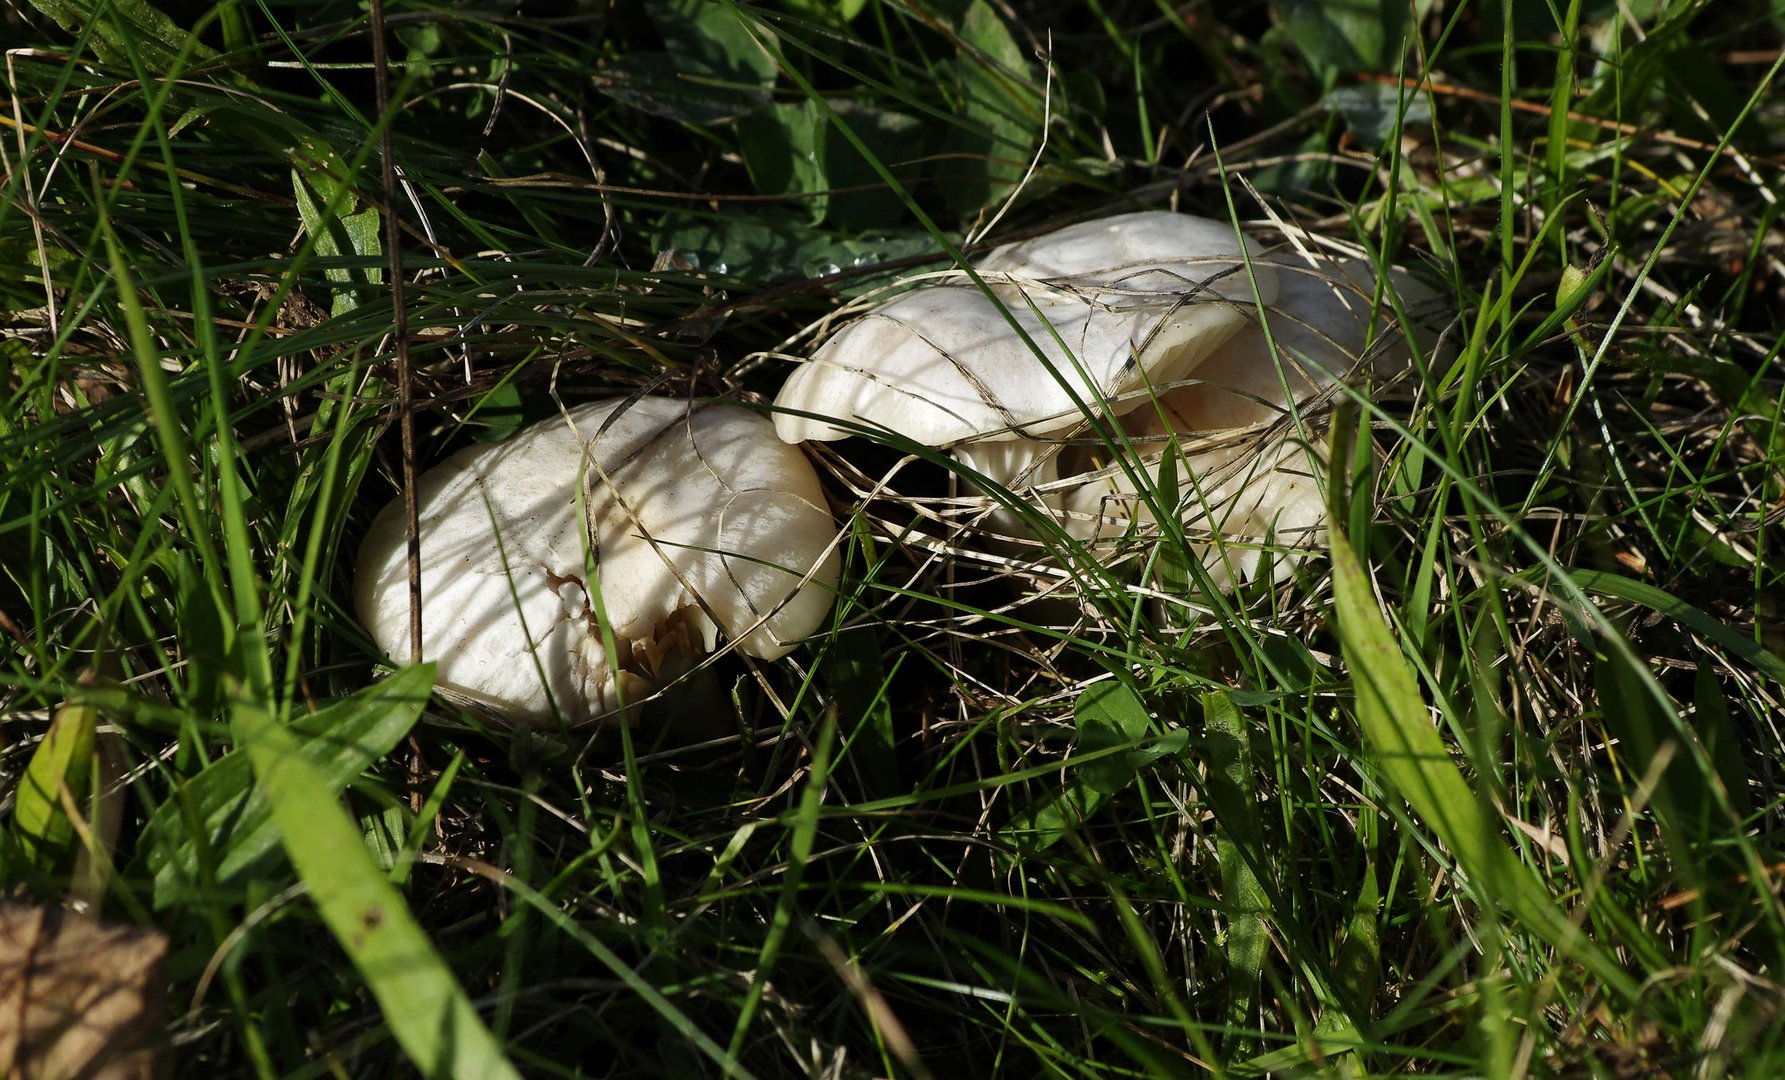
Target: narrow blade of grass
x,y
1238,847
1692,618
1415,762
423,1004
802,835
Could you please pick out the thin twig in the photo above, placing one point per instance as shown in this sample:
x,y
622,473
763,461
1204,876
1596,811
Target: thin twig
x,y
393,250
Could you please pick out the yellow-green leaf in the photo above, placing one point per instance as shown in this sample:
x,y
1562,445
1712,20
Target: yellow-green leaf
x,y
64,757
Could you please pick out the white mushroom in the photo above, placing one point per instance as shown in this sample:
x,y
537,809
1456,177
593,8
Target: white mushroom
x,y
1158,315
1112,306
698,521
1247,486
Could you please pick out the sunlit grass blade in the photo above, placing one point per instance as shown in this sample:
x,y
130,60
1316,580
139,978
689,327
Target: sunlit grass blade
x,y
1415,762
61,764
424,1006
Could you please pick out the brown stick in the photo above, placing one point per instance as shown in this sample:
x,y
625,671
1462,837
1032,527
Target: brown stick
x,y
1539,109
393,250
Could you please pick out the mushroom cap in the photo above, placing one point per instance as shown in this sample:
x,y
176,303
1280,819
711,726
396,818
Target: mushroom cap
x,y
1248,485
698,520
1245,491
1110,307
1320,324
1145,255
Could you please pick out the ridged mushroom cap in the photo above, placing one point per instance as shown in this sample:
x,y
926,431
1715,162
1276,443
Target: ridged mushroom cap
x,y
698,522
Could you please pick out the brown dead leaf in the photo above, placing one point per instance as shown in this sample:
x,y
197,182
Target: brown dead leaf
x,y
80,999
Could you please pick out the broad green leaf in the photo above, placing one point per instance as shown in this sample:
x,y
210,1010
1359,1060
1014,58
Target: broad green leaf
x,y
427,1011
766,251
711,69
331,211
1114,743
498,414
1414,760
1376,111
1043,824
1001,114
422,39
236,823
714,36
1112,720
892,137
792,148
784,148
1308,168
839,11
123,27
1342,36
63,759
21,263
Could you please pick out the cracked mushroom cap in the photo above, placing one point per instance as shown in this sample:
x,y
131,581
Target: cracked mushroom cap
x,y
1112,306
699,522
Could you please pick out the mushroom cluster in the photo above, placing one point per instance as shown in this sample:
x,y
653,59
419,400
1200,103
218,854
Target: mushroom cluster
x,y
1146,323
695,521
575,569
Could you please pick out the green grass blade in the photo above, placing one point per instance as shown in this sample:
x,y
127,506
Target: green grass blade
x,y
122,27
423,1004
1692,618
1239,848
340,225
800,841
339,742
1414,760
